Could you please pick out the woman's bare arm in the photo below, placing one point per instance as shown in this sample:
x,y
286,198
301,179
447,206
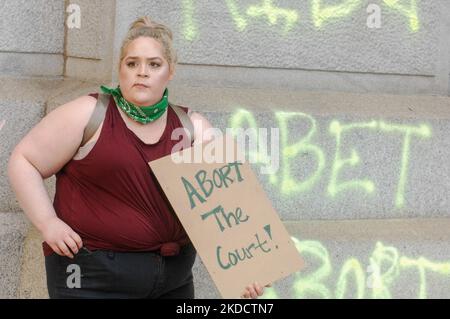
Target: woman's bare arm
x,y
39,155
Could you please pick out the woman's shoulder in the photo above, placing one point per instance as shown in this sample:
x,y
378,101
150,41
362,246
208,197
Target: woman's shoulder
x,y
74,114
81,102
79,108
196,115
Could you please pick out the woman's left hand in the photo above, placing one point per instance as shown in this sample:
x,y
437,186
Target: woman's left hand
x,y
253,291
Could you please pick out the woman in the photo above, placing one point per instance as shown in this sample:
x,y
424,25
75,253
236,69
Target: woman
x,y
110,218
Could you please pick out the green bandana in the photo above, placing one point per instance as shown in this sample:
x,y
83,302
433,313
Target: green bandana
x,y
141,114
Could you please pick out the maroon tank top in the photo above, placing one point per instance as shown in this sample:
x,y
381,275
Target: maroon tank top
x,y
112,199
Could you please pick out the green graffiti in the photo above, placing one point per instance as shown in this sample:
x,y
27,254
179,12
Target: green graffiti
x,y
352,265
386,266
289,152
424,264
273,13
237,121
312,283
409,12
422,131
383,280
190,27
239,20
334,187
284,179
265,9
321,14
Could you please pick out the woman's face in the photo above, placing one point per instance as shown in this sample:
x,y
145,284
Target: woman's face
x,y
144,72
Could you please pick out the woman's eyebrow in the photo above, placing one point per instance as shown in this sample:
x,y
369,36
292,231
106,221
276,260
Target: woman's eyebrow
x,y
151,58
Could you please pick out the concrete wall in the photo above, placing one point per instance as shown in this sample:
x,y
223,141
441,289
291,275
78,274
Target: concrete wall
x,y
313,45
32,37
446,8
310,45
89,44
18,113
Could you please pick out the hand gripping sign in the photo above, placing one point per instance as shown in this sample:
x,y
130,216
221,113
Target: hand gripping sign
x,y
227,216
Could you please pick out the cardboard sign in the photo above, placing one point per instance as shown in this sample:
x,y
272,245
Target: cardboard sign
x,y
228,218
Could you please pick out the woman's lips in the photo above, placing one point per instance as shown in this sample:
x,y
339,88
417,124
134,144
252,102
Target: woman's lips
x,y
142,86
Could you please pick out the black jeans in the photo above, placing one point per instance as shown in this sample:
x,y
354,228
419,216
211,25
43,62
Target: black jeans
x,y
109,274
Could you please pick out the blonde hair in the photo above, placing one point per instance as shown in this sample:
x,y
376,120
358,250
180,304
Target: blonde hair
x,y
144,27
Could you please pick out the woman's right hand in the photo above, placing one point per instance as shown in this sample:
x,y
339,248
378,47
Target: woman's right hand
x,y
61,238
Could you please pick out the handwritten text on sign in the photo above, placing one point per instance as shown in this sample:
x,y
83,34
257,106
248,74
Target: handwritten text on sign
x,y
230,221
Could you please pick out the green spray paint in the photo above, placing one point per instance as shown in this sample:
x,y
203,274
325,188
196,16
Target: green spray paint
x,y
290,152
321,14
383,280
351,266
312,284
422,265
409,12
239,21
284,180
334,187
243,118
273,13
385,260
190,30
422,131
